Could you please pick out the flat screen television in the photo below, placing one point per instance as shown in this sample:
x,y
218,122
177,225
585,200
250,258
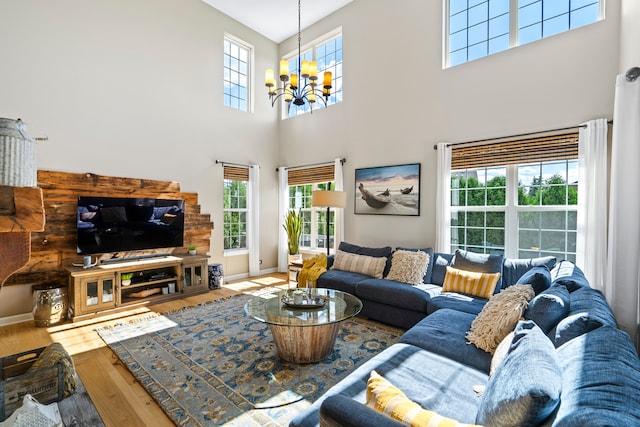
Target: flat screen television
x,y
118,224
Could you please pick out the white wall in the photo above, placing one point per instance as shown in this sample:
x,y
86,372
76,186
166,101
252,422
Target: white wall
x,y
629,35
399,102
134,89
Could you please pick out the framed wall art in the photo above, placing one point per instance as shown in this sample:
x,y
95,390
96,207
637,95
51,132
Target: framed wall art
x,y
388,190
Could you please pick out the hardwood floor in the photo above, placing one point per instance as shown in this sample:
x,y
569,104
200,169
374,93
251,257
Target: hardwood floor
x,y
119,399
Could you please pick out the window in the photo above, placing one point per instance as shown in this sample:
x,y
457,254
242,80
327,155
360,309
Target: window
x,y
523,208
302,182
328,53
477,28
235,207
237,67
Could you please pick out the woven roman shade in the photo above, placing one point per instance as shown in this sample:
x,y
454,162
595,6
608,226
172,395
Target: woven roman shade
x,y
236,173
529,150
311,175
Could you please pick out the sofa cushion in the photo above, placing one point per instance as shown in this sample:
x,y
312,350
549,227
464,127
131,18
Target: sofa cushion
x,y
513,268
525,389
500,353
568,274
408,266
588,310
430,380
440,263
344,281
428,251
538,277
456,301
600,387
384,251
470,283
479,263
499,317
386,291
440,333
549,307
363,264
388,399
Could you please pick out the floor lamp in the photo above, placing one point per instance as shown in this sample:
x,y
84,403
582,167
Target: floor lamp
x,y
329,199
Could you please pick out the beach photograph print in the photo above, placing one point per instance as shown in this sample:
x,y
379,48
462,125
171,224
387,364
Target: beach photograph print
x,y
388,190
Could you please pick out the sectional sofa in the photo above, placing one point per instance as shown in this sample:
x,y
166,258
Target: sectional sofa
x,y
565,364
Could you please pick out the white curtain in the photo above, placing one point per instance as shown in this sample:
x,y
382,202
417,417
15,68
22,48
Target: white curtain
x,y
339,213
283,207
623,267
253,224
591,245
443,199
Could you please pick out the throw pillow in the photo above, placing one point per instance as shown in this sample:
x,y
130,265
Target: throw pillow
x,y
549,307
500,353
384,251
430,252
408,266
538,277
440,263
467,282
525,389
55,354
370,266
386,398
514,268
499,317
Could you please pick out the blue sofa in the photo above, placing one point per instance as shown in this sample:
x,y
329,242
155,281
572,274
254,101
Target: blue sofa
x,y
568,363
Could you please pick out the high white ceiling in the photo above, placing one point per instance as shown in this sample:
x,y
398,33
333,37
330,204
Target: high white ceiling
x,y
277,19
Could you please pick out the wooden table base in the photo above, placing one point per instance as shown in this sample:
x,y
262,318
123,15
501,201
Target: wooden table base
x,y
304,344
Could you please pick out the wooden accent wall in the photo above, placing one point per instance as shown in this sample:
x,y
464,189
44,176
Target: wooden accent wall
x,y
55,248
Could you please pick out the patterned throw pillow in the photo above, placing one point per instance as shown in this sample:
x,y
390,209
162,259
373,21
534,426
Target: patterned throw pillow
x,y
363,264
499,317
480,285
408,266
384,397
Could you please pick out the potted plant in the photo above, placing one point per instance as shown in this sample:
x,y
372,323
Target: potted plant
x,y
293,227
192,249
125,278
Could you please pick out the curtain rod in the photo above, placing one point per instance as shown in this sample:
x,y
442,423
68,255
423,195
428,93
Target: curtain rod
x,y
343,161
233,164
435,146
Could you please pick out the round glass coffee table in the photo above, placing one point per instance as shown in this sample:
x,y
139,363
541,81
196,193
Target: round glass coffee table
x,y
304,330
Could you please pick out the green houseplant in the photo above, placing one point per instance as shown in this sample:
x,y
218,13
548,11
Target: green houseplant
x,y
125,278
192,249
293,227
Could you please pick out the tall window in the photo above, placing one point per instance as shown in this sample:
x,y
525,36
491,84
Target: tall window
x,y
235,207
477,28
302,182
328,53
237,66
518,198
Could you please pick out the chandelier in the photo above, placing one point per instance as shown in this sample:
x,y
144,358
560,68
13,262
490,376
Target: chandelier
x,y
301,87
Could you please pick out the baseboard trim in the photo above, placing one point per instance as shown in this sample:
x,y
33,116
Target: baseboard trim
x,y
18,318
246,275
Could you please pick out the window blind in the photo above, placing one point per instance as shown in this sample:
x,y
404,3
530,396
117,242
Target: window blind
x,y
530,150
236,173
311,175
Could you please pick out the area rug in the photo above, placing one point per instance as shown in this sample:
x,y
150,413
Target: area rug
x,y
214,365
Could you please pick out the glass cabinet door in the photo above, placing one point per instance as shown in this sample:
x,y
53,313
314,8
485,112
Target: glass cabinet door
x,y
91,293
107,290
197,275
188,277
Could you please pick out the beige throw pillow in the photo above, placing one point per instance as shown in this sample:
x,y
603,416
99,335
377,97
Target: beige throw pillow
x,y
408,266
363,264
499,317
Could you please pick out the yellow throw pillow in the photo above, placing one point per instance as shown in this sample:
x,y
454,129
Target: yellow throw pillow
x,y
384,397
480,285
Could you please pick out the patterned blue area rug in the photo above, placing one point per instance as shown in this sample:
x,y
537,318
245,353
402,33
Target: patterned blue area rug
x,y
213,365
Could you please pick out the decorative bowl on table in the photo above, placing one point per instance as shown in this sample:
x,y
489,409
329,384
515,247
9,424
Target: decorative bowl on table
x,y
308,301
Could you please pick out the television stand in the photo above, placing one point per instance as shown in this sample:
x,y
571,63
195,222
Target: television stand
x,y
134,258
115,286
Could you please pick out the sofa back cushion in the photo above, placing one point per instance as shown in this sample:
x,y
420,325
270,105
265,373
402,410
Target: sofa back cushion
x,y
600,380
525,388
363,264
514,268
549,307
439,267
479,263
538,277
568,274
372,252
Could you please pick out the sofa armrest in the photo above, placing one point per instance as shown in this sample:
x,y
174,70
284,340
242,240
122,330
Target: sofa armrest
x,y
342,411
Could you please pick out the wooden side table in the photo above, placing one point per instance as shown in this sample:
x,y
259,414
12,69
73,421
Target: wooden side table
x,y
292,274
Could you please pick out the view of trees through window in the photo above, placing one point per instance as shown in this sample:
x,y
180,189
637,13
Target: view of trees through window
x,y
314,223
235,214
540,220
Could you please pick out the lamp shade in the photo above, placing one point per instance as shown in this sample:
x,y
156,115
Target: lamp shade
x,y
329,199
